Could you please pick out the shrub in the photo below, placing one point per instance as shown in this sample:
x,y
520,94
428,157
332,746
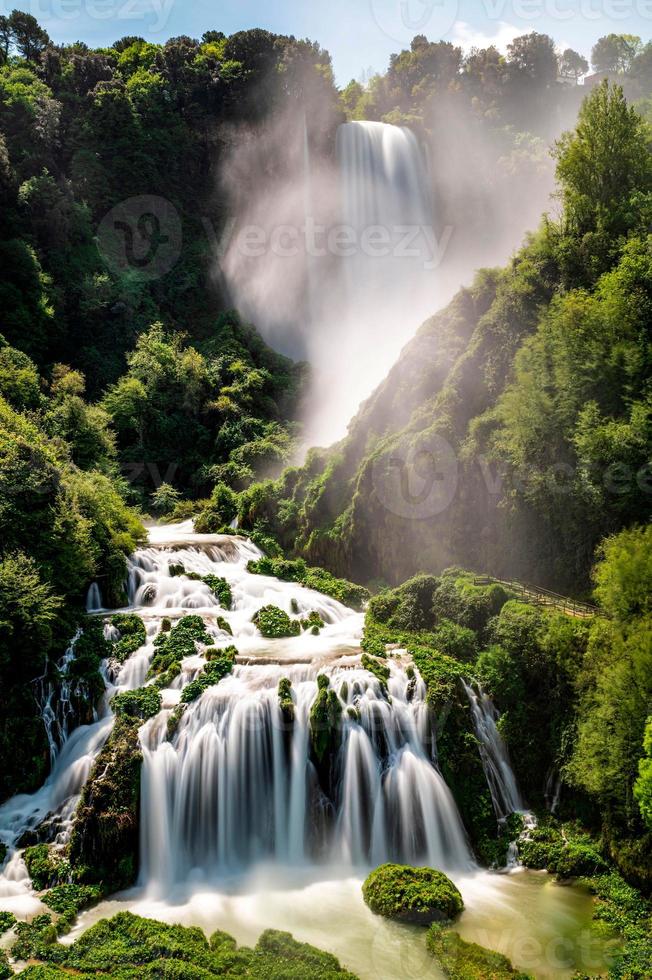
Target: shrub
x,y
274,623
419,895
296,570
174,646
220,589
68,900
143,703
133,635
212,674
7,920
375,667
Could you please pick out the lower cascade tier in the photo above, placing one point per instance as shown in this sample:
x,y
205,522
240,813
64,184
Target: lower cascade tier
x,y
241,782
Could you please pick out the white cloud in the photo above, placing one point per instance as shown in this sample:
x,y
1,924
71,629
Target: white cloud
x,y
468,37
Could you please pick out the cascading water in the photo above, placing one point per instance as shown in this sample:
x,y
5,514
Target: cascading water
x,y
505,794
237,783
387,267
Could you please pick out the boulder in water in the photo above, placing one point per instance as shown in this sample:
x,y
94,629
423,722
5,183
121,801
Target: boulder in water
x,y
419,895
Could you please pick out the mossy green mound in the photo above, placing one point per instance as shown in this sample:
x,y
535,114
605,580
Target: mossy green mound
x,y
467,961
419,895
131,948
274,623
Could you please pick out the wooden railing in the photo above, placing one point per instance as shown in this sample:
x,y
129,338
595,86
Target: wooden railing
x,y
544,597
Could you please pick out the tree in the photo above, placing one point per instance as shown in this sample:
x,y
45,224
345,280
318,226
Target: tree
x,y
603,162
572,65
643,785
27,35
615,52
5,39
623,577
165,498
534,55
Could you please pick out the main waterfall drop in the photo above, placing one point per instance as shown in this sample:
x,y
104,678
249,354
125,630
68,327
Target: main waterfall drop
x,y
386,283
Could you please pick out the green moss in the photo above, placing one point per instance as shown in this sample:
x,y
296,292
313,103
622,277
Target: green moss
x,y
212,673
223,625
564,851
296,570
419,895
143,703
313,622
69,900
7,920
375,667
174,646
624,909
220,589
46,867
176,569
325,720
274,623
104,840
461,960
5,970
173,721
128,948
133,635
286,701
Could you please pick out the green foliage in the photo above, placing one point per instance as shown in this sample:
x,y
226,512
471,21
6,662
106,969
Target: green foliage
x,y
375,667
285,699
174,645
325,720
567,852
46,867
461,960
7,921
127,947
68,900
220,589
218,667
133,635
142,703
220,511
643,784
419,895
623,575
274,623
625,910
296,570
104,840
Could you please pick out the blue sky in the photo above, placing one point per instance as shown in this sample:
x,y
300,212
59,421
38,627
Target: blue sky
x,y
360,34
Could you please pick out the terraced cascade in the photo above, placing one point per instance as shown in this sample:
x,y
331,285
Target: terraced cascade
x,y
278,765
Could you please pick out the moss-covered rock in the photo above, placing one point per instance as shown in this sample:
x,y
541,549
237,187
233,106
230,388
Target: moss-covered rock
x,y
216,669
274,623
296,570
419,895
68,900
285,699
46,866
220,589
104,840
571,854
325,720
377,668
461,960
7,921
133,635
142,703
128,947
173,646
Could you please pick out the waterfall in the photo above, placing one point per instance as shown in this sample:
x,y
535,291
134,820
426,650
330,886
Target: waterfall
x,y
237,783
387,263
94,598
505,794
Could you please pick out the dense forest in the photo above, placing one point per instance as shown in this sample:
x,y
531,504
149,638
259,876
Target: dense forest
x,y
511,440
